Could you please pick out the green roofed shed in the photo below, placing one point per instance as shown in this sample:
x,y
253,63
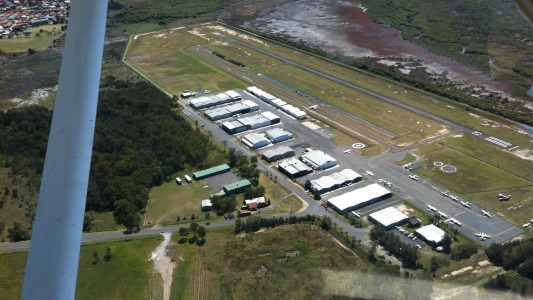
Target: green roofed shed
x,y
210,172
237,187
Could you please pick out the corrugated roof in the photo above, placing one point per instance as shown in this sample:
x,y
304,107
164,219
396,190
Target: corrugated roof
x,y
293,166
317,158
277,133
206,202
389,216
431,233
359,196
280,151
212,170
236,185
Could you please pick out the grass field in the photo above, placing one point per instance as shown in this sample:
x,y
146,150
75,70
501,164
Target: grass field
x,y
128,275
161,57
41,42
472,175
235,264
371,109
170,200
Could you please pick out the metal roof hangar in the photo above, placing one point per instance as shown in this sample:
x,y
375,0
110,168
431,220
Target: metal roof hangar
x,y
293,168
359,198
277,135
389,217
236,187
252,122
431,234
278,153
255,140
210,172
318,160
218,99
227,111
325,184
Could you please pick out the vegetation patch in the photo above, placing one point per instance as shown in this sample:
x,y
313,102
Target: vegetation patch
x,y
126,274
472,174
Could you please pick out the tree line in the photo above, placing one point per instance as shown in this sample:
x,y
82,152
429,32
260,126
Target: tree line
x,y
139,142
253,224
392,243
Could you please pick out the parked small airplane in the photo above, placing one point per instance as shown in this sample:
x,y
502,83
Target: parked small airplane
x,y
431,208
483,236
414,177
503,197
369,173
455,221
442,215
466,204
444,193
527,225
313,107
486,213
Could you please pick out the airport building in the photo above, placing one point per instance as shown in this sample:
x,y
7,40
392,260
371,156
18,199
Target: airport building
x,y
278,153
214,100
277,135
276,102
389,217
242,107
318,160
255,140
293,168
207,205
236,187
210,172
328,183
431,234
252,122
361,197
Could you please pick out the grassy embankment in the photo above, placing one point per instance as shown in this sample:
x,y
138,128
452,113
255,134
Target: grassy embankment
x,y
128,275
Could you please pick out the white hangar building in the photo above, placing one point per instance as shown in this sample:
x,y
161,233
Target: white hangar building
x,y
318,160
277,135
224,112
358,198
389,217
325,184
255,140
431,234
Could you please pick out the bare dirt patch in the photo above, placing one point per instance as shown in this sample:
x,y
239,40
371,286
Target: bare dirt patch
x,y
164,265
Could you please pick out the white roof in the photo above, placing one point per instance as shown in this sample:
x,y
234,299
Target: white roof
x,y
293,166
252,89
206,202
359,196
431,233
269,115
388,216
277,100
277,133
255,200
199,100
283,150
317,158
350,174
233,94
223,96
254,139
299,114
324,182
249,103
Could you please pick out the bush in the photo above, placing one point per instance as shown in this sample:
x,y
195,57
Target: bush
x,y
463,251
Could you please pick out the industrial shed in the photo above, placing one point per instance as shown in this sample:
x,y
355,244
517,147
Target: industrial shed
x,y
237,187
278,153
431,234
328,183
255,140
389,217
233,127
278,103
226,111
318,160
207,205
277,135
293,168
233,95
359,198
210,172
